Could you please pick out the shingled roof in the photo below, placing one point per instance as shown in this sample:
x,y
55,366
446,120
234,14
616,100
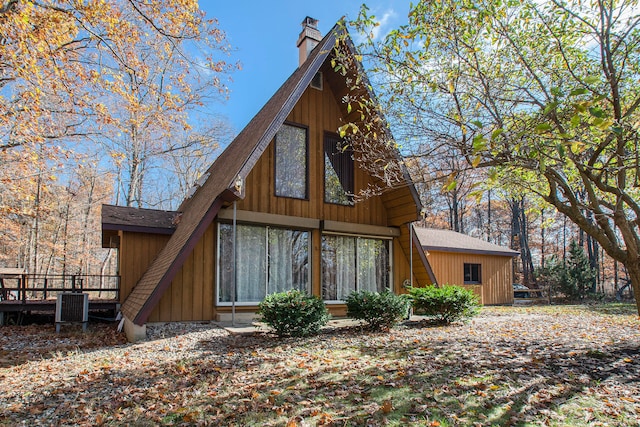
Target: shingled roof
x,y
138,219
433,239
235,161
233,164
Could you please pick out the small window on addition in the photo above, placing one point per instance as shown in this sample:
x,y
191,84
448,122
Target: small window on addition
x,y
472,274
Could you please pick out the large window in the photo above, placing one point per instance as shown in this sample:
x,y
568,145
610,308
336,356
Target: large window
x,y
268,260
291,162
338,171
472,274
353,263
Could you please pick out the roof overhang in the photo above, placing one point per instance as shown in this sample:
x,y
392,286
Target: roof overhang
x,y
469,251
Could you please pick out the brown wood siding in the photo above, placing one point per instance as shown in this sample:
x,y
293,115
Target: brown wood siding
x,y
320,112
402,264
191,294
401,206
401,267
403,260
137,251
496,286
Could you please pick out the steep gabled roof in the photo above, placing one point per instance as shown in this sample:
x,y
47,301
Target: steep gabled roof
x,y
433,239
236,161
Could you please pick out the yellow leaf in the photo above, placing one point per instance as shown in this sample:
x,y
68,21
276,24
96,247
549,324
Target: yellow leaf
x,y
293,422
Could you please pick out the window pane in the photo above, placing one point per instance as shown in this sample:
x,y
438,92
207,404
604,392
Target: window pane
x,y
373,264
472,273
350,263
338,267
291,162
268,260
225,267
338,171
288,260
251,263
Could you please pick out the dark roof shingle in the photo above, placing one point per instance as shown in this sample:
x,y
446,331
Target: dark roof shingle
x,y
138,219
236,160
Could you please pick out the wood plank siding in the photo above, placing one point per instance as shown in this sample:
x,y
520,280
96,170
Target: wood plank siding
x,y
319,112
496,274
137,251
191,295
192,292
172,277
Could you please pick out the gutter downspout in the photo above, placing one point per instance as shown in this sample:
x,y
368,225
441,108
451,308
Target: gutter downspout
x,y
235,267
411,254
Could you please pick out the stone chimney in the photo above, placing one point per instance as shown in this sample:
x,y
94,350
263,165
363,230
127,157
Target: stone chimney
x,y
308,39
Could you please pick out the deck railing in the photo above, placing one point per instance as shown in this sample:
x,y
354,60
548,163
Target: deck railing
x,y
30,287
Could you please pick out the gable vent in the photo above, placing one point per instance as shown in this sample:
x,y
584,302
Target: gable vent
x,y
316,82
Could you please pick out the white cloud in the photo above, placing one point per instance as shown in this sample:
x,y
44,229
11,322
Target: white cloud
x,y
387,20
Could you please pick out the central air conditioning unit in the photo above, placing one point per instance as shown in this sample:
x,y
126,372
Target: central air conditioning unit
x,y
72,307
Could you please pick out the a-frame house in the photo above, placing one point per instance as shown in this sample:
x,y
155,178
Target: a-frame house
x,y
275,211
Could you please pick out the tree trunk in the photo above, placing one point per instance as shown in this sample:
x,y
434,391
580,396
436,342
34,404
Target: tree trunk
x,y
454,213
83,267
542,239
520,239
633,270
592,249
489,215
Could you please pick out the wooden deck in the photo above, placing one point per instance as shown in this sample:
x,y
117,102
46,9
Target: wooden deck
x,y
49,305
24,293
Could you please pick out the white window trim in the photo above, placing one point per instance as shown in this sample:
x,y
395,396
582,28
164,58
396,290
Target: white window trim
x,y
219,303
364,236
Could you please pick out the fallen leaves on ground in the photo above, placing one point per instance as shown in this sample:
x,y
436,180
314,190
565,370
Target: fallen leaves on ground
x,y
509,366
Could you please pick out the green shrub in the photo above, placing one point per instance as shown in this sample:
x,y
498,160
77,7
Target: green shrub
x,y
380,311
445,304
293,313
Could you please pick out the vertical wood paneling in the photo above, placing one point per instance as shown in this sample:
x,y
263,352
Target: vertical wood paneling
x,y
176,299
401,267
198,283
191,295
496,286
186,296
137,251
208,282
320,112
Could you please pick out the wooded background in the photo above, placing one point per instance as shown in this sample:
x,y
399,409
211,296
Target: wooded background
x,y
107,102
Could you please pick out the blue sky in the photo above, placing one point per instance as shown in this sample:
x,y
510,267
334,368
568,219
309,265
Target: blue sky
x,y
264,35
